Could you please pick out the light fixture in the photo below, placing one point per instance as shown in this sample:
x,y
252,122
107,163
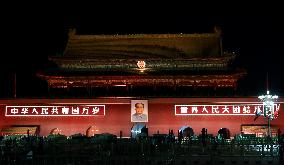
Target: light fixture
x,y
268,109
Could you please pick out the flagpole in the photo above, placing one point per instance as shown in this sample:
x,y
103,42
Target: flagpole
x,y
269,133
266,81
268,123
15,85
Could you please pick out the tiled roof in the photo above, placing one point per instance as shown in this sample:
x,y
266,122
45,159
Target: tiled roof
x,y
143,46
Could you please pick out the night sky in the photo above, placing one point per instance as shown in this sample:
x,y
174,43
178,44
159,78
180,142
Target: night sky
x,y
254,32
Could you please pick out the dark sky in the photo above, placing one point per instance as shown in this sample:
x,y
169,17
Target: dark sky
x,y
254,31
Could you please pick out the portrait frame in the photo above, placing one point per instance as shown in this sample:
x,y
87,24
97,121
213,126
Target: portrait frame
x,y
133,111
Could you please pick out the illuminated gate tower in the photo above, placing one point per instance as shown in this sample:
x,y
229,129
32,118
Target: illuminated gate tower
x,y
123,64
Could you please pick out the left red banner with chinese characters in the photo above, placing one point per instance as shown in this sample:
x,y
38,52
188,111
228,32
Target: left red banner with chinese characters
x,y
56,110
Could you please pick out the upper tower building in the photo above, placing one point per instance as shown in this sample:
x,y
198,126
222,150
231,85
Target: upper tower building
x,y
139,63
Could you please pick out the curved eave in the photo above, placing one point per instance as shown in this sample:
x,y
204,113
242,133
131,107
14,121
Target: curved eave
x,y
169,80
109,64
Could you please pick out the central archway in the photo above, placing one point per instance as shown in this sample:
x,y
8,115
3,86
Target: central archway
x,y
136,129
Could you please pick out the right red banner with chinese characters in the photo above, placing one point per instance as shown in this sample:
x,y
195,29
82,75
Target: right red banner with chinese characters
x,y
231,109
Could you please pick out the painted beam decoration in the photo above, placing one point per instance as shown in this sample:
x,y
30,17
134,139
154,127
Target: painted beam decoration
x,y
56,110
231,109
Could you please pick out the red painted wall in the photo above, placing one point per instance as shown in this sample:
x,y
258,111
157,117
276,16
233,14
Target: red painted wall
x,y
160,110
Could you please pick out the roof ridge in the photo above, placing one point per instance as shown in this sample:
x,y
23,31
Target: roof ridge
x,y
144,35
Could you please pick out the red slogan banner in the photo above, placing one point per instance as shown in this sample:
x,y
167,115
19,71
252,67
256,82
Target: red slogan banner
x,y
244,109
55,110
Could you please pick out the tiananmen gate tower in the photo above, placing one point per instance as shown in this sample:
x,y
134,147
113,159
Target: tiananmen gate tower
x,y
175,77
